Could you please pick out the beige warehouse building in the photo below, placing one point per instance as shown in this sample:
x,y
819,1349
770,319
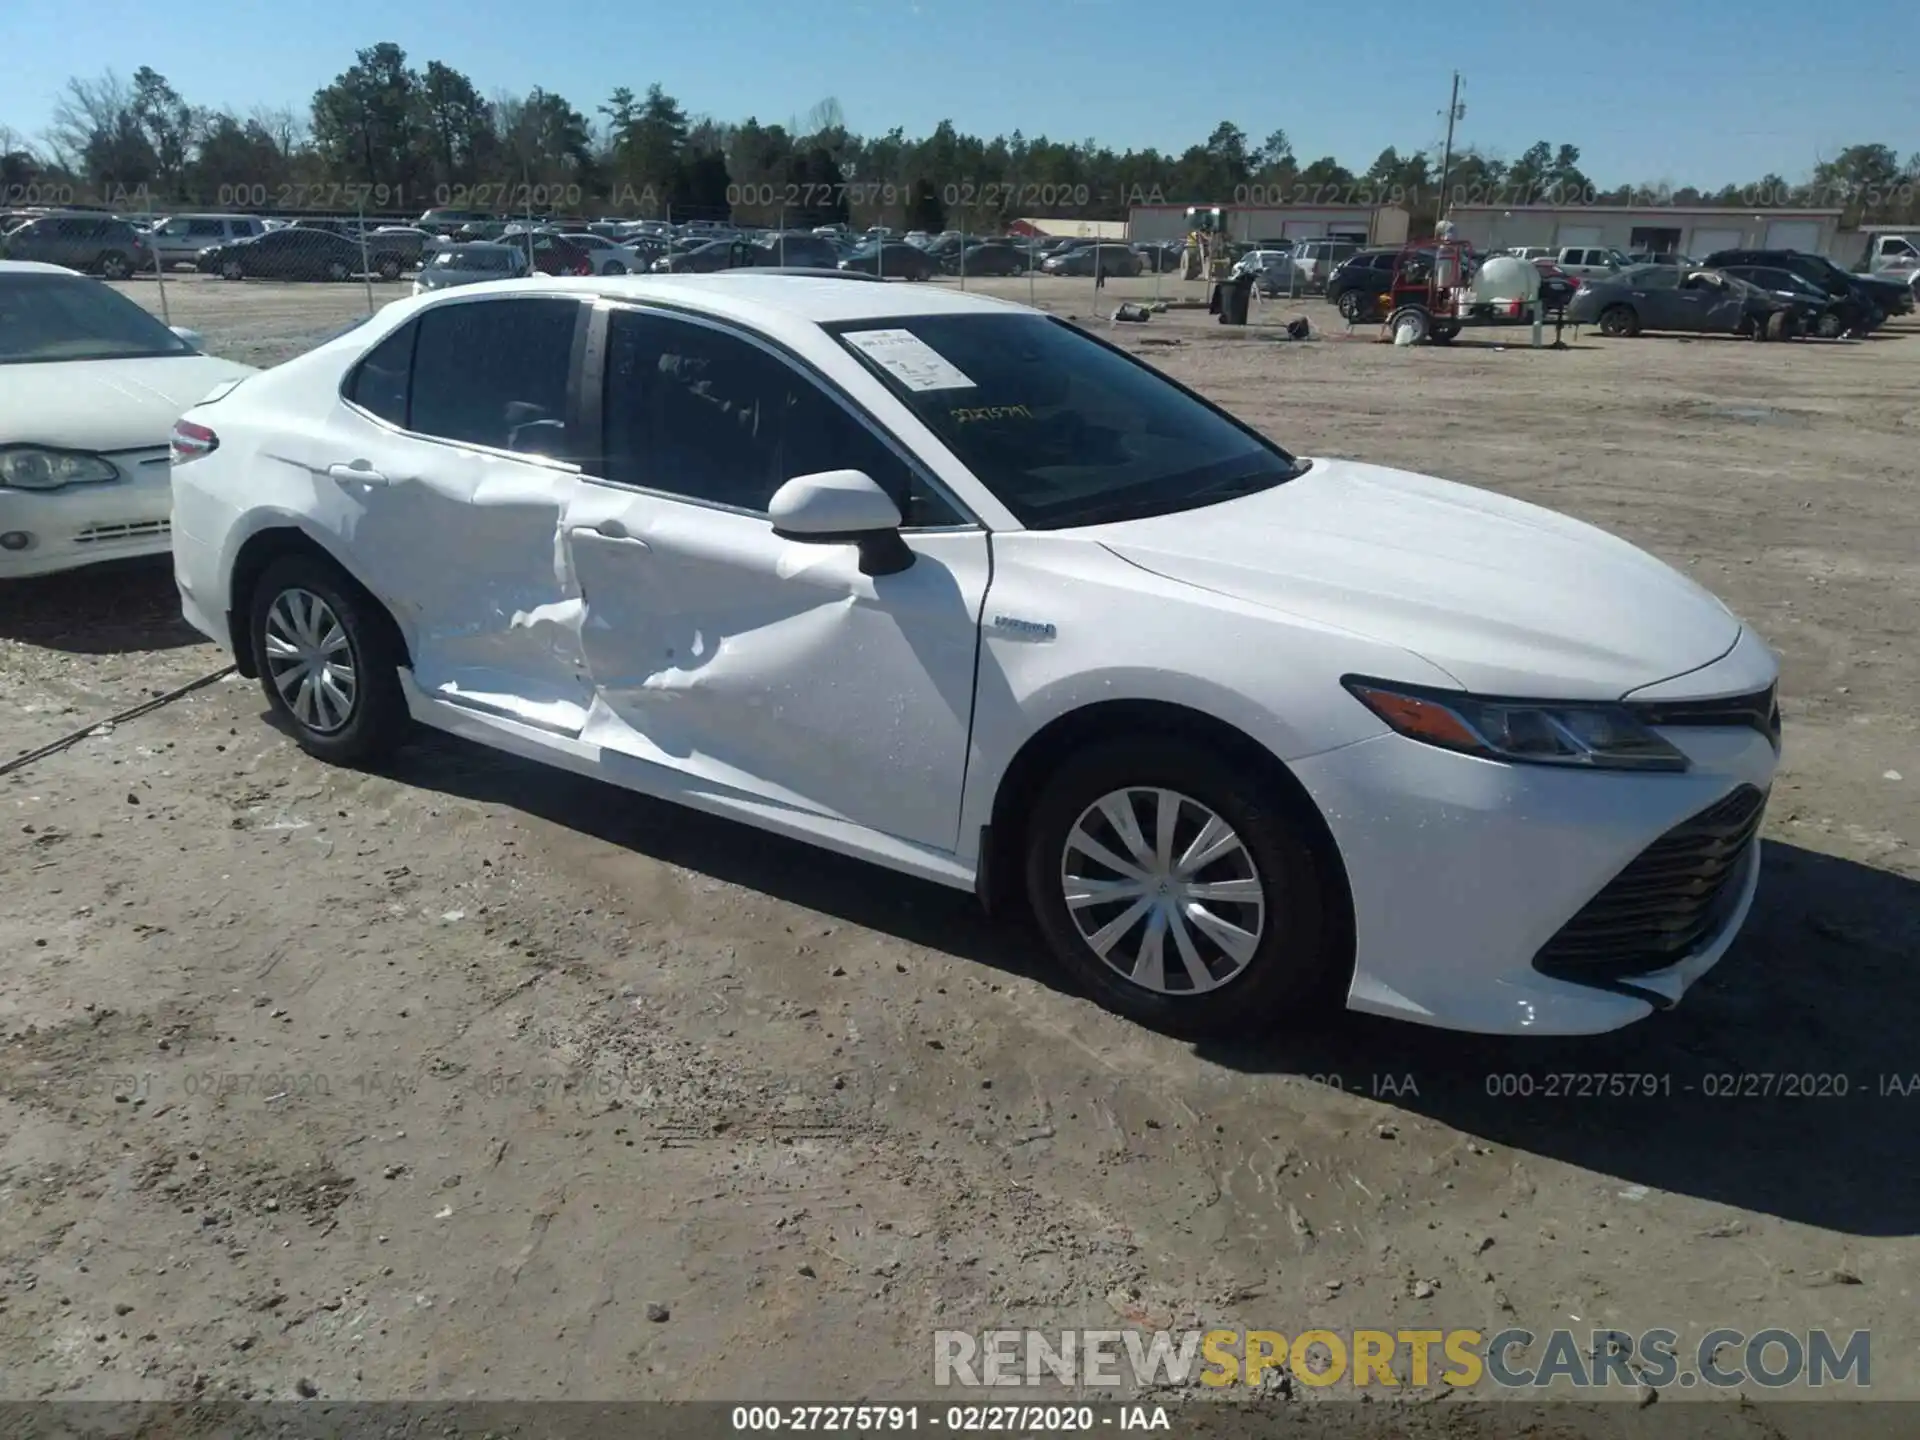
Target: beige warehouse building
x,y
1363,224
1664,229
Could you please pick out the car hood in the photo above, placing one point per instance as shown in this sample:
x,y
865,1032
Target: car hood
x,y
1507,597
106,405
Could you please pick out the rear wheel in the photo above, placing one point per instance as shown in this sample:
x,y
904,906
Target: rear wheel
x,y
613,267
1443,334
1349,305
1780,325
1829,326
115,266
231,270
390,267
1619,321
1177,893
328,661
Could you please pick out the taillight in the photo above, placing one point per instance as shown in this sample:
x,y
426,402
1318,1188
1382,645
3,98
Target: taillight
x,y
191,441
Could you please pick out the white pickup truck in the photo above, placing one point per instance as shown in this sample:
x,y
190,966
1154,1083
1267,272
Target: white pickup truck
x,y
1894,254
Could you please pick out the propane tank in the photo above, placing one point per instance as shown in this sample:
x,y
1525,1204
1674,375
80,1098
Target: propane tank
x,y
1506,277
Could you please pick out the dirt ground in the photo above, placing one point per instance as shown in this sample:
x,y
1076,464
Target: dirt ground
x,y
434,1084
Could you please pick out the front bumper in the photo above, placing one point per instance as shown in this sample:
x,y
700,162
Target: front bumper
x,y
86,524
1462,870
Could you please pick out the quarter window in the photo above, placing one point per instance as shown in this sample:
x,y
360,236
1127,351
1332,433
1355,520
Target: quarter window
x,y
693,411
380,383
494,373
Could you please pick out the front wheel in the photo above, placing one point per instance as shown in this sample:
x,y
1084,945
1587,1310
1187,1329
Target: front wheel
x,y
1349,306
114,266
327,661
1176,893
231,270
390,268
1829,326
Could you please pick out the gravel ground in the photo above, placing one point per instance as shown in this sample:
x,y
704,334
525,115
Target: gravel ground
x,y
472,1079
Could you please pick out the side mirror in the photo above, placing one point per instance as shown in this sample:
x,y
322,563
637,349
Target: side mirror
x,y
840,507
192,337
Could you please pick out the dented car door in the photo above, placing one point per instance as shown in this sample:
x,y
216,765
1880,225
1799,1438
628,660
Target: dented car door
x,y
451,460
745,661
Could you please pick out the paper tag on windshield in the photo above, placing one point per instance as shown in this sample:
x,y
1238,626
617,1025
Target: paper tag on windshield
x,y
909,359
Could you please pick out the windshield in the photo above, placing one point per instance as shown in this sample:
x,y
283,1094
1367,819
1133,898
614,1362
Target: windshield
x,y
69,317
1063,429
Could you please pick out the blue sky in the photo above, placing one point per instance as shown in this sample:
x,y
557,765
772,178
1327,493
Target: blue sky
x,y
1682,92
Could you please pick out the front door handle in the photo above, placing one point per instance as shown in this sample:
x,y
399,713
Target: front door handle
x,y
612,529
360,472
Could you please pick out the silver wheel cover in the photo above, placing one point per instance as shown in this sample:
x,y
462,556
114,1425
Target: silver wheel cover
x,y
1163,890
310,661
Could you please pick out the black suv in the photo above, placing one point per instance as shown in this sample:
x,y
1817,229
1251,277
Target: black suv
x,y
1358,281
1877,298
99,244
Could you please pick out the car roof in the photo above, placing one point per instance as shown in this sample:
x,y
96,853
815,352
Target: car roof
x,y
33,267
744,296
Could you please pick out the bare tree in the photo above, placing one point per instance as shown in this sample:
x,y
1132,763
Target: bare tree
x,y
86,110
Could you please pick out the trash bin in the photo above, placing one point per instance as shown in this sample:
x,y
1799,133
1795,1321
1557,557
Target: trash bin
x,y
1236,295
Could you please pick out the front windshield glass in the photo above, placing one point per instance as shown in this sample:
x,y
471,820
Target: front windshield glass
x,y
1063,429
69,317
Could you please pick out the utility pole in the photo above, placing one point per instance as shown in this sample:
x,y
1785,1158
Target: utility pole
x,y
1454,111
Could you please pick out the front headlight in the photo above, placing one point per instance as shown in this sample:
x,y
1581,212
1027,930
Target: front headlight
x,y
28,467
1592,735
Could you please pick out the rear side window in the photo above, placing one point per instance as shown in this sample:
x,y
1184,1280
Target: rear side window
x,y
380,383
494,373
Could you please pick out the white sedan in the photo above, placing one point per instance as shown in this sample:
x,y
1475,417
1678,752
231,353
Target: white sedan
x,y
609,257
950,585
90,385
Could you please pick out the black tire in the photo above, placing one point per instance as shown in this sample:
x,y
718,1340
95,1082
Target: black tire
x,y
1443,334
613,267
1829,326
115,266
1414,316
1294,971
1349,305
337,271
1780,325
232,270
390,267
1619,321
377,719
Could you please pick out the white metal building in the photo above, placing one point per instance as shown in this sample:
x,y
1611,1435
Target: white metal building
x,y
1666,229
1363,224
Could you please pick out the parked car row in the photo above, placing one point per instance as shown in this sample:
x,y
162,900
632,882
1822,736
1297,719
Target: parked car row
x,y
1659,291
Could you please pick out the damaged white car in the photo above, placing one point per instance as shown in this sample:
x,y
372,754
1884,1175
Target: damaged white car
x,y
950,585
90,385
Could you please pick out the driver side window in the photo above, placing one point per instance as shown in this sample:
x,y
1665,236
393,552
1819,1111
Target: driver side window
x,y
691,410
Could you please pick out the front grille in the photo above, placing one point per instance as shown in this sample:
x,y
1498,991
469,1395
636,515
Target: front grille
x,y
1759,711
1675,895
134,530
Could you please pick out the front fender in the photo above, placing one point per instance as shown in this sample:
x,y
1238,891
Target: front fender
x,y
1118,632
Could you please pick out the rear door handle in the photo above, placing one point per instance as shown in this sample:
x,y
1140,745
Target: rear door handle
x,y
349,474
615,530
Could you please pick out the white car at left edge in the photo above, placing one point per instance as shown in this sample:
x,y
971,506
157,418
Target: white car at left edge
x,y
90,385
